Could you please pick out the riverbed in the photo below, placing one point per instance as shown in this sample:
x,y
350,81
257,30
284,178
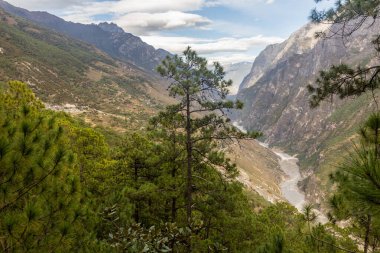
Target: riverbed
x,y
289,186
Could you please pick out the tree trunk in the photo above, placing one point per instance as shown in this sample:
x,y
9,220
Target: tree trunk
x,y
367,232
174,172
174,209
136,215
137,204
189,152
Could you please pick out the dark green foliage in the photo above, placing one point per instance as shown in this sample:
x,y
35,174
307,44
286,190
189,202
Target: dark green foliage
x,y
200,121
350,14
358,186
344,81
276,246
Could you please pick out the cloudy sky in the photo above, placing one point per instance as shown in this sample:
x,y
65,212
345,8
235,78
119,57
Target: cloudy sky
x,y
225,30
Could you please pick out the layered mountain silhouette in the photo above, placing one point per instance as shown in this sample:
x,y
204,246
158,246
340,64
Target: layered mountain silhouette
x,y
107,37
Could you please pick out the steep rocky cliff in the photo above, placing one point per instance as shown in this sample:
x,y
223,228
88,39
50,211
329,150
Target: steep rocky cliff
x,y
276,99
107,37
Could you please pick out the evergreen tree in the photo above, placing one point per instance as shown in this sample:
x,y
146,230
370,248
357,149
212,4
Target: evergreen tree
x,y
201,109
138,174
39,190
358,181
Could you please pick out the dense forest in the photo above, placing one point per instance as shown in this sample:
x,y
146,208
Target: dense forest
x,y
66,186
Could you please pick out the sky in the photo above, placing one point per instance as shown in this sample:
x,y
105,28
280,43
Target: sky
x,y
228,31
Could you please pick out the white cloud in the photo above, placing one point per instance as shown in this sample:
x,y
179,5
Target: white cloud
x,y
135,16
151,17
154,6
231,58
240,4
44,4
210,46
143,23
126,6
121,7
115,5
140,17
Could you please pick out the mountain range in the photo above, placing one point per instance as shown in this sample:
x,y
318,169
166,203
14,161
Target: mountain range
x,y
77,77
107,37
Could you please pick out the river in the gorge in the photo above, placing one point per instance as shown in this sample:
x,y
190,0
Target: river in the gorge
x,y
289,186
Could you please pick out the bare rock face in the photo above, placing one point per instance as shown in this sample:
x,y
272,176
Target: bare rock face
x,y
107,37
299,42
276,98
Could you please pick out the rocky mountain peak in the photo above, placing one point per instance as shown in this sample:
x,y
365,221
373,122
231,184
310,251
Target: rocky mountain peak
x,y
111,27
300,42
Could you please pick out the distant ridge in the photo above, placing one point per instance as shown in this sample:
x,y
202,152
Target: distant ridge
x,y
70,75
107,37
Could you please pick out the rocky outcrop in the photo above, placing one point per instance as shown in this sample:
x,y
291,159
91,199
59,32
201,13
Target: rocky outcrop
x,y
107,37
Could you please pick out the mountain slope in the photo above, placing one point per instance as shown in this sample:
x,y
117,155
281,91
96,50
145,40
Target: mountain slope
x,y
75,76
236,72
107,37
276,99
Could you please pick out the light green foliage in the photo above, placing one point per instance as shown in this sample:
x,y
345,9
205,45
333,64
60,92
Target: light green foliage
x,y
39,189
136,238
92,156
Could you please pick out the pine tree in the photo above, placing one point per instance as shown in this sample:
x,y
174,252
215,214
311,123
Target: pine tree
x,y
358,181
39,189
201,109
